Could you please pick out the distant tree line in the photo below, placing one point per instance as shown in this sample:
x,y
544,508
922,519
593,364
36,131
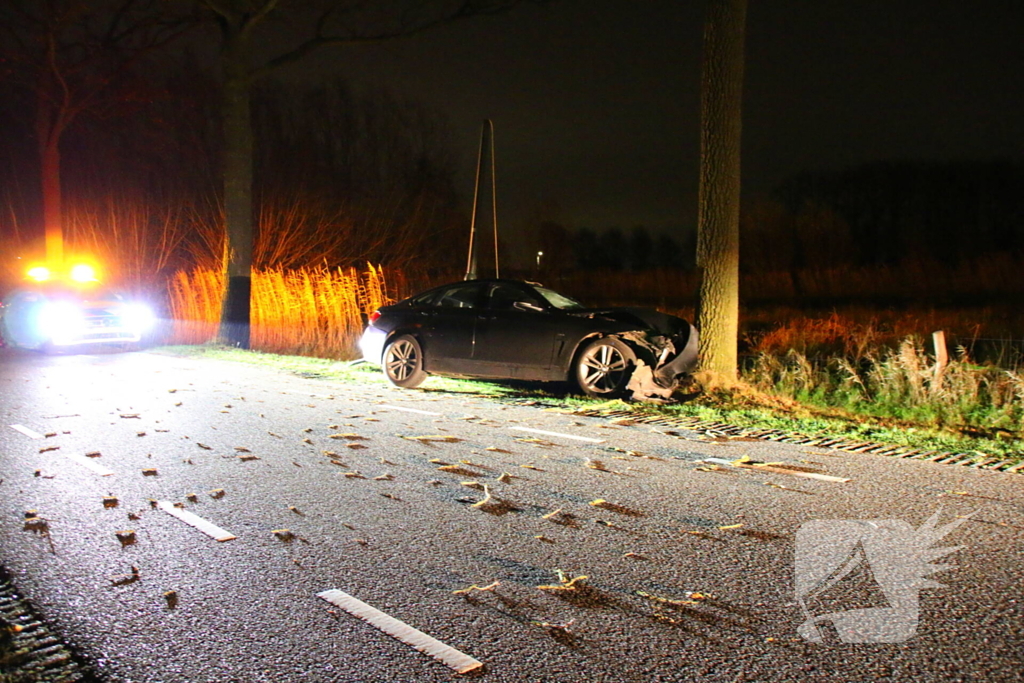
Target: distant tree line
x,y
887,213
639,248
341,177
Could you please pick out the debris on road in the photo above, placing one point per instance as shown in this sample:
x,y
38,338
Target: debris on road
x,y
775,468
110,501
565,583
483,589
149,472
441,438
125,579
126,537
615,507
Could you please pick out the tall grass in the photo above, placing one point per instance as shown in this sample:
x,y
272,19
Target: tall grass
x,y
306,311
900,383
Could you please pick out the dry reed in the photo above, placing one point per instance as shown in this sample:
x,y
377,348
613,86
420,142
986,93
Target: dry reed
x,y
307,311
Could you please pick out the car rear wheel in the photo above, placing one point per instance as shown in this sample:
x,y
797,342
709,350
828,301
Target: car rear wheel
x,y
604,367
403,362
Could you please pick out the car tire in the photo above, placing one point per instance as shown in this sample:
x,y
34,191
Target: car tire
x,y
403,362
604,367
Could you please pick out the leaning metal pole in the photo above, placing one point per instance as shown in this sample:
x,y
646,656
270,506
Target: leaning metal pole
x,y
471,260
494,199
486,131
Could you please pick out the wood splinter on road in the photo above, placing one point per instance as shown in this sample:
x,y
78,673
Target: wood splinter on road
x,y
460,662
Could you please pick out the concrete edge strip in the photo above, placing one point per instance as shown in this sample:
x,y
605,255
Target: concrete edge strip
x,y
89,464
208,528
26,431
695,424
460,662
411,410
559,434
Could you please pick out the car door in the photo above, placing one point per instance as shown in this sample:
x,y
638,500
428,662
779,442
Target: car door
x,y
449,335
515,333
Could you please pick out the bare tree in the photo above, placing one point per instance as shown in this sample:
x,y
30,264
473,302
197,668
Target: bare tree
x,y
718,249
73,55
318,23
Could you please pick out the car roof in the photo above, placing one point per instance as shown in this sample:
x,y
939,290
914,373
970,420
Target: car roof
x,y
491,281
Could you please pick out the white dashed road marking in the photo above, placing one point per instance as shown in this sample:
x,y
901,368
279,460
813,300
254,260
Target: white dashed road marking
x,y
88,464
208,528
410,410
462,663
564,436
27,432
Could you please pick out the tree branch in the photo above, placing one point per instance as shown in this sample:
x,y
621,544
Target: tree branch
x,y
467,9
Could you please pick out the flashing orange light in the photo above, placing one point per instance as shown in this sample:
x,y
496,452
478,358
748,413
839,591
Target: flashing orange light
x,y
39,273
83,272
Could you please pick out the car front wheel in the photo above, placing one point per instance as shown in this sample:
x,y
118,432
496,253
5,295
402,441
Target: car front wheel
x,y
403,362
604,367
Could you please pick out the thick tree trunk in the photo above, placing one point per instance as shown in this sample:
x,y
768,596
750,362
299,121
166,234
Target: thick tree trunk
x,y
48,131
719,198
238,159
49,152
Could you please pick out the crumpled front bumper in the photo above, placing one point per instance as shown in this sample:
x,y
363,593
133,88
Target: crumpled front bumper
x,y
675,358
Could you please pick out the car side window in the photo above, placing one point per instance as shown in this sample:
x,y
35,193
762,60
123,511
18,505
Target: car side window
x,y
504,297
461,296
424,299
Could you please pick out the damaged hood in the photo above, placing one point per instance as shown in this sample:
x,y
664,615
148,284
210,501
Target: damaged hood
x,y
646,319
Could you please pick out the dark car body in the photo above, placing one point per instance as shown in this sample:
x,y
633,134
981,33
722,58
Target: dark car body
x,y
508,329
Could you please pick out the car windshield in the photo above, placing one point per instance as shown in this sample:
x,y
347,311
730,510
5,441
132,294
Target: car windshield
x,y
558,300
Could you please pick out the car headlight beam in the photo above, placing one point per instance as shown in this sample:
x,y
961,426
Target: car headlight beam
x,y
60,321
138,318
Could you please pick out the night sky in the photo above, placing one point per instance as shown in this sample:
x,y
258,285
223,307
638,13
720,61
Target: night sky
x,y
596,102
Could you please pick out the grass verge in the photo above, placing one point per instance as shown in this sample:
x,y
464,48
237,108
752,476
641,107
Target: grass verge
x,y
744,408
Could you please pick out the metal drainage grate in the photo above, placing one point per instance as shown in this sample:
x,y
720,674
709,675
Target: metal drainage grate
x,y
722,429
33,654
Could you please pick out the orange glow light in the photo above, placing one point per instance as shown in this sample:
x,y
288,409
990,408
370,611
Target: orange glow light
x,y
83,272
39,273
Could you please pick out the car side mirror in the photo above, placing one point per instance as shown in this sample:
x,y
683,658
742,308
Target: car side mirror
x,y
527,306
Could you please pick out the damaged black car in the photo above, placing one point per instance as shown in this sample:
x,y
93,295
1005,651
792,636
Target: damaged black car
x,y
508,329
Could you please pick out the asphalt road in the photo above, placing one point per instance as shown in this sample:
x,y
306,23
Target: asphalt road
x,y
380,521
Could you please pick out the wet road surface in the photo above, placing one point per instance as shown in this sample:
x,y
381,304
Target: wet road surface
x,y
377,488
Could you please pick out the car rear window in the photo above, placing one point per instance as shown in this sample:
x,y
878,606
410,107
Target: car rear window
x,y
461,296
504,296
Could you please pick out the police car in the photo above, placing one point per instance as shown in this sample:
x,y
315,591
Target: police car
x,y
50,312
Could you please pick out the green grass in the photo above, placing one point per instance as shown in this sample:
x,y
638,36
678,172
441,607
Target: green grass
x,y
750,409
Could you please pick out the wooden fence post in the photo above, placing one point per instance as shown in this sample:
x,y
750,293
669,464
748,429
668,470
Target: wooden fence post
x,y
941,359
